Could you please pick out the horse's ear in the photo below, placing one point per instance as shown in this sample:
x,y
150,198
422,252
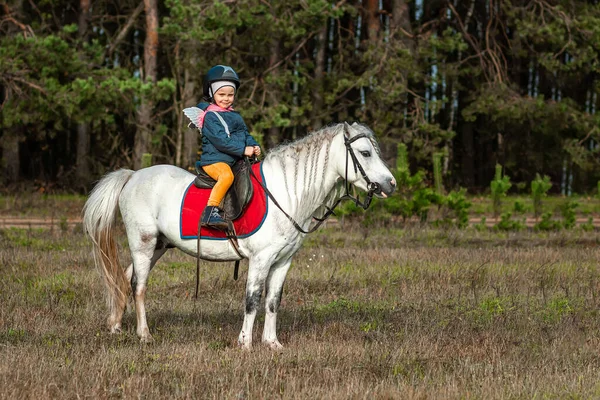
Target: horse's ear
x,y
355,123
346,130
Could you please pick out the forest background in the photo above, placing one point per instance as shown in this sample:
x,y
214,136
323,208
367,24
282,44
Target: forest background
x,y
87,87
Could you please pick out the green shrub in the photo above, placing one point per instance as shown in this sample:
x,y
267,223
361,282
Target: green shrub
x,y
547,224
481,225
413,197
422,201
499,186
539,189
589,225
567,211
508,224
519,207
348,209
458,204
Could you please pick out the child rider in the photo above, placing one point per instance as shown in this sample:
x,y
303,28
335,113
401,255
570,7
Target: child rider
x,y
225,138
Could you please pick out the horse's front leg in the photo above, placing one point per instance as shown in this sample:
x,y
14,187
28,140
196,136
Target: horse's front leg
x,y
258,270
274,290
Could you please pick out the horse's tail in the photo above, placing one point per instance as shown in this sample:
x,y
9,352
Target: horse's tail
x,y
99,216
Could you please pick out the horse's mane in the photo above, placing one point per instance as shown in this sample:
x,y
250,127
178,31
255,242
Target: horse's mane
x,y
320,137
306,157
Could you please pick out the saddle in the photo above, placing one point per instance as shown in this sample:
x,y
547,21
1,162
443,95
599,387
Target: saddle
x,y
239,194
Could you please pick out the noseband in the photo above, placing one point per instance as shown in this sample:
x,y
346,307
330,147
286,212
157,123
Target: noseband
x,y
373,187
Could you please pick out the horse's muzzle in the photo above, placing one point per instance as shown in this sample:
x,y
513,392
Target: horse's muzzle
x,y
386,189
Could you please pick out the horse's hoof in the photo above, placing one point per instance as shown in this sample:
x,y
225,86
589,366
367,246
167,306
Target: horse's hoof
x,y
116,329
146,338
273,345
245,346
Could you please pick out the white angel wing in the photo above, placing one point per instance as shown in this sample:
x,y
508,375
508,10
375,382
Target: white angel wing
x,y
193,113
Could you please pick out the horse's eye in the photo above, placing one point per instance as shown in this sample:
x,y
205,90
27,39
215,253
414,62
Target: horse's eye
x,y
365,153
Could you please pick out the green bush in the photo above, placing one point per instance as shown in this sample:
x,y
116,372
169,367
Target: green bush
x,y
547,224
458,204
348,209
506,223
539,189
589,225
481,226
499,186
567,211
519,207
413,197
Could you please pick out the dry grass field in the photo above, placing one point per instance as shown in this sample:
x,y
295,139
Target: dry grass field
x,y
411,314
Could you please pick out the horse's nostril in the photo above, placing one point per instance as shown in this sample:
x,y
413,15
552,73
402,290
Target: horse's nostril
x,y
393,182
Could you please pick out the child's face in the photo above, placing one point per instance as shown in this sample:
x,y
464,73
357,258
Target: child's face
x,y
224,97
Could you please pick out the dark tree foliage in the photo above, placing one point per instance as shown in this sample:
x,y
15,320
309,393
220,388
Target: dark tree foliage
x,y
480,82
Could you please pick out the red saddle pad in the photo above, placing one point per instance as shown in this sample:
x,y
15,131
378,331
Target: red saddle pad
x,y
195,199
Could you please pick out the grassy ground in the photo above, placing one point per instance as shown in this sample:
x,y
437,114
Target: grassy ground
x,y
587,205
68,205
379,313
42,205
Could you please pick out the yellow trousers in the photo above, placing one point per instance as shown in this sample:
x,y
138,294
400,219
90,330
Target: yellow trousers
x,y
221,173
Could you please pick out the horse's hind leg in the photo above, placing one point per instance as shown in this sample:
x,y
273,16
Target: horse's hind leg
x,y
274,289
145,253
116,314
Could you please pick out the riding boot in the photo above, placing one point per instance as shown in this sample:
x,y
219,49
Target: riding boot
x,y
211,218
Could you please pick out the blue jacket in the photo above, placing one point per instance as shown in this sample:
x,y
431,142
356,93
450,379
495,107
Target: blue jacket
x,y
217,146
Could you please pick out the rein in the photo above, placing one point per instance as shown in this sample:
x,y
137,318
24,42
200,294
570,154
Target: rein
x,y
372,186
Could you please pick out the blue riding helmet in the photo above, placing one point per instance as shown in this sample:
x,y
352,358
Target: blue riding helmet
x,y
219,73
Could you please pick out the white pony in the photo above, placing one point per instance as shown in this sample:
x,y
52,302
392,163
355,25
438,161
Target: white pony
x,y
302,177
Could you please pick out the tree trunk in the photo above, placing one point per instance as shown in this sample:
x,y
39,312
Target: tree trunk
x,y
144,114
317,92
400,31
10,155
273,138
466,141
401,25
82,161
11,165
468,154
11,158
372,17
84,16
189,152
82,164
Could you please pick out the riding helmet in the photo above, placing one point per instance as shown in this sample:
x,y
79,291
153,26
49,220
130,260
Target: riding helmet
x,y
219,73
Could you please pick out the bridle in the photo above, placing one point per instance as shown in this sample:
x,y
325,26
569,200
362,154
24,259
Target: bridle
x,y
372,187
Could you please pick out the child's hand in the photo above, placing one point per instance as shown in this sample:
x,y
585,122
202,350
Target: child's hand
x,y
256,151
248,151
